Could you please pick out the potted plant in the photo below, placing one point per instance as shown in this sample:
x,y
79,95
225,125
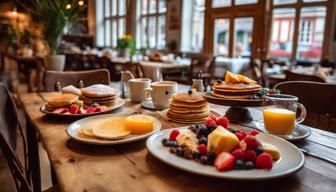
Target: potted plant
x,y
126,46
54,16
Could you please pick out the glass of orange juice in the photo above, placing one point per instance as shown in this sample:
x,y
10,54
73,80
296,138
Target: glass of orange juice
x,y
280,113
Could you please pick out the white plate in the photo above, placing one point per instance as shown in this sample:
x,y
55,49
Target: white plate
x,y
74,128
148,104
300,131
291,159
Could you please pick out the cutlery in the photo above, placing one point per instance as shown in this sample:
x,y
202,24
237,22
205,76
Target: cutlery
x,y
305,151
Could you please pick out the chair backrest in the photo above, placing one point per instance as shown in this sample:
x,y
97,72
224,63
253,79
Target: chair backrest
x,y
292,76
54,80
8,126
134,68
316,97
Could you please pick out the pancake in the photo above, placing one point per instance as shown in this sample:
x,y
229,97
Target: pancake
x,y
99,91
111,128
236,86
61,100
98,98
188,98
234,92
188,105
188,115
188,110
189,121
231,96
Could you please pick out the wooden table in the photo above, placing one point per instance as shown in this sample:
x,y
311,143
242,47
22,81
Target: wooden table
x,y
130,167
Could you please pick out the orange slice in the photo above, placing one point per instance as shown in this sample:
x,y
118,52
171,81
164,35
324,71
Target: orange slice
x,y
139,124
246,80
231,77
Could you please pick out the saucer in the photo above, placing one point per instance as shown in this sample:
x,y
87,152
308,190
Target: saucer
x,y
148,104
300,132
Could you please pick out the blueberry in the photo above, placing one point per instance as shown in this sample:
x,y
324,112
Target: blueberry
x,y
203,130
211,158
234,130
203,140
210,128
249,165
204,159
165,142
190,92
196,155
172,144
259,150
179,151
239,164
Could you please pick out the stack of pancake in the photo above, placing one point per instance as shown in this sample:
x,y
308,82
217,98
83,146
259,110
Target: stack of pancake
x,y
188,108
235,87
63,100
101,94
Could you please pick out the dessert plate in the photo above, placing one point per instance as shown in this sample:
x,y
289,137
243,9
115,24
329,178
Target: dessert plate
x,y
291,159
148,104
74,131
300,131
119,102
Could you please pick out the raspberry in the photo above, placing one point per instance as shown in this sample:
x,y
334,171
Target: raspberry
x,y
202,149
240,135
222,121
238,154
250,155
264,161
254,132
251,142
211,122
174,134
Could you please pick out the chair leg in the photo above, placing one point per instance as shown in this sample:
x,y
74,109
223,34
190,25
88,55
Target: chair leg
x,y
53,176
33,157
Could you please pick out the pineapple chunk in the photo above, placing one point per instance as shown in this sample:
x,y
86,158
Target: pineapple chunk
x,y
272,150
231,77
221,140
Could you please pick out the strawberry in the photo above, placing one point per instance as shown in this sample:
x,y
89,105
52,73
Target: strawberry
x,y
61,110
252,142
97,109
238,154
264,161
240,135
103,108
222,121
202,149
82,110
90,109
242,145
224,161
250,155
213,117
73,109
210,122
254,132
174,134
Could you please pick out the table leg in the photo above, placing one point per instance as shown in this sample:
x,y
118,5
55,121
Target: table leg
x,y
33,157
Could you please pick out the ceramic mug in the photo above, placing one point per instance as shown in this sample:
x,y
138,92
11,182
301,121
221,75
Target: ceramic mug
x,y
160,93
137,86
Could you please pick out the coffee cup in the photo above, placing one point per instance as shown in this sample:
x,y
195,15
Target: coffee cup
x,y
137,86
160,93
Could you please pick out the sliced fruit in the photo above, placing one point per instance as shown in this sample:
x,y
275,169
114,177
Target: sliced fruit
x,y
140,124
82,111
61,110
231,77
272,150
222,140
173,135
242,145
222,121
73,109
264,161
244,79
90,109
224,161
103,108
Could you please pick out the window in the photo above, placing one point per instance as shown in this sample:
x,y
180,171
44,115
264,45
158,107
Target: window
x,y
111,21
243,36
151,28
193,32
221,3
309,32
221,37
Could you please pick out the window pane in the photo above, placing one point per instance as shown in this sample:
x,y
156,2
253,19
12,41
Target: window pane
x,y
243,37
122,7
311,30
161,32
107,8
114,33
221,3
162,6
107,33
144,33
221,37
144,6
114,7
152,6
152,32
244,2
313,0
282,32
121,27
198,26
280,2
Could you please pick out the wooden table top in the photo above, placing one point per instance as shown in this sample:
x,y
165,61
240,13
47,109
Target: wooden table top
x,y
130,167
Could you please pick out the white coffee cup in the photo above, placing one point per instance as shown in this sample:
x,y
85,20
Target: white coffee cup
x,y
137,86
161,92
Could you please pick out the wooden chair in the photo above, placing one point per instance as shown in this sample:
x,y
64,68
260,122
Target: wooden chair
x,y
134,68
291,76
55,80
319,100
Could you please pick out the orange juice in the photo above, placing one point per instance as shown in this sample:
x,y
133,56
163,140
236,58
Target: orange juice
x,y
279,121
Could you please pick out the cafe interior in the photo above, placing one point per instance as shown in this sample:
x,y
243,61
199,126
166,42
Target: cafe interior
x,y
167,95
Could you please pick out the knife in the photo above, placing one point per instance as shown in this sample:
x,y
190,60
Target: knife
x,y
318,156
